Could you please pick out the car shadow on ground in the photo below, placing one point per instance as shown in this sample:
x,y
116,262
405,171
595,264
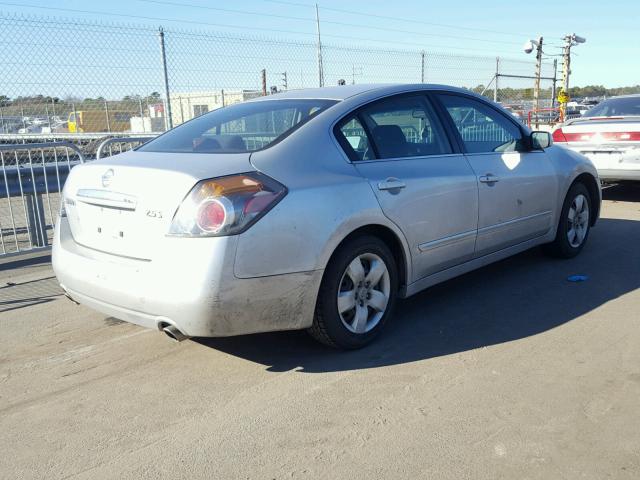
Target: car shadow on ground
x,y
23,294
625,192
510,300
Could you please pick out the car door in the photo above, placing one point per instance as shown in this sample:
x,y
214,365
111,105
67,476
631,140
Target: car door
x,y
517,186
399,145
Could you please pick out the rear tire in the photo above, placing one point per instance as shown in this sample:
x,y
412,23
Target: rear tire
x,y
357,294
574,224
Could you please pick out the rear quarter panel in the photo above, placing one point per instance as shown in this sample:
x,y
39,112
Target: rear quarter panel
x,y
327,200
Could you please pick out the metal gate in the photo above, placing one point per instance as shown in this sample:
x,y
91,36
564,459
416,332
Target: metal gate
x,y
32,177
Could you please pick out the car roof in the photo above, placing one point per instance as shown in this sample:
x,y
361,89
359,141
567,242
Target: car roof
x,y
342,92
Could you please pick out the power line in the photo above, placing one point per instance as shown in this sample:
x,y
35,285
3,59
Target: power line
x,y
227,10
400,19
242,27
330,22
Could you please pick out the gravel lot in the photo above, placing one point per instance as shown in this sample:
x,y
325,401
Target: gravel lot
x,y
508,372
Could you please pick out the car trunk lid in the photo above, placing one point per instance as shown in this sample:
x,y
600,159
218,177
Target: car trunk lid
x,y
124,205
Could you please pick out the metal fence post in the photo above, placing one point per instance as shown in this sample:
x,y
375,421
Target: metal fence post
x,y
2,128
422,54
75,117
106,112
168,122
319,49
144,129
495,90
36,223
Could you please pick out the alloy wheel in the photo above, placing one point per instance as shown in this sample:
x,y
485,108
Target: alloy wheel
x,y
364,293
578,221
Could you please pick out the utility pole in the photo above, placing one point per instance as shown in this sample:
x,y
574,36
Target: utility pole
x,y
566,71
536,89
569,41
284,81
555,79
320,67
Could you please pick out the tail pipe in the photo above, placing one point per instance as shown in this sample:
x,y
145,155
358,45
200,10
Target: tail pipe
x,y
174,334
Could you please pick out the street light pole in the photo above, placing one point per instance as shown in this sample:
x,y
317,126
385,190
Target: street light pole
x,y
569,41
536,90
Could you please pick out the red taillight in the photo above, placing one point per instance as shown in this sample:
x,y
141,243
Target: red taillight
x,y
211,216
558,136
596,136
259,202
226,205
622,136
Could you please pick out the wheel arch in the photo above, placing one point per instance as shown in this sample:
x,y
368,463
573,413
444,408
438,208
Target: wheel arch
x,y
393,240
593,188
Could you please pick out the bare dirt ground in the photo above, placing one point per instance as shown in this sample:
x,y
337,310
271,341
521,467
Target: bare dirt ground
x,y
508,372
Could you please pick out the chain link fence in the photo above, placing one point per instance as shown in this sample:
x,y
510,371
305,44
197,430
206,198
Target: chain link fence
x,y
85,82
63,76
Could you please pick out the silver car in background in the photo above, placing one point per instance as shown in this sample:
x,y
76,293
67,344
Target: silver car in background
x,y
609,135
315,209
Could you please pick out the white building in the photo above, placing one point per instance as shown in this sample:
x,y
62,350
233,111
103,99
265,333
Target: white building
x,y
188,105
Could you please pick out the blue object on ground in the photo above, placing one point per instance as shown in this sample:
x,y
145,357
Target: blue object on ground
x,y
577,278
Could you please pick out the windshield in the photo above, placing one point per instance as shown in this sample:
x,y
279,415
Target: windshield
x,y
243,127
616,107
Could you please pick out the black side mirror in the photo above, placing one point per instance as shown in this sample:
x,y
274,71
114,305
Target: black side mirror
x,y
541,140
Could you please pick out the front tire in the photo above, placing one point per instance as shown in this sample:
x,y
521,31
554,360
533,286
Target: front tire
x,y
357,294
574,225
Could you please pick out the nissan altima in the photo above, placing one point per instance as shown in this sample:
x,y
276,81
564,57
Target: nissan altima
x,y
315,209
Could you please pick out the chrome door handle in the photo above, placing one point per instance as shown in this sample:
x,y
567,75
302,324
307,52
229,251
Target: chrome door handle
x,y
489,178
391,184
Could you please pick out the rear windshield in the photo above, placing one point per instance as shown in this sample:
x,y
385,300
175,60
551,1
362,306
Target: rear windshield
x,y
243,127
616,107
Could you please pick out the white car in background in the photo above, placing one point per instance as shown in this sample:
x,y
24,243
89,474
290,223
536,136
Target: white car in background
x,y
609,135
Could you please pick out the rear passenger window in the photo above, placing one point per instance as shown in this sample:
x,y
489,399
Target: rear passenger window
x,y
482,128
405,127
355,140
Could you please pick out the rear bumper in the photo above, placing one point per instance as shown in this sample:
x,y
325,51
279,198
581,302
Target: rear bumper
x,y
192,287
613,163
618,174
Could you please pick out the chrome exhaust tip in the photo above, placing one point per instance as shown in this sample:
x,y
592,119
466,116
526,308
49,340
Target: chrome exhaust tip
x,y
174,334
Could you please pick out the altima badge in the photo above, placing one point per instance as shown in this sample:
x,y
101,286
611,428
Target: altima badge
x,y
107,178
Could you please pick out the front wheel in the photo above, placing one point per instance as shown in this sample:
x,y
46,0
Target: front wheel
x,y
357,294
574,225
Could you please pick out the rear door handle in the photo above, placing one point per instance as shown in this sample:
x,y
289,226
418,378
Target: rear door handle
x,y
391,184
489,178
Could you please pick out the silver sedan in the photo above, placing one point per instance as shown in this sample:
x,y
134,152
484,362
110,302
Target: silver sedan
x,y
315,209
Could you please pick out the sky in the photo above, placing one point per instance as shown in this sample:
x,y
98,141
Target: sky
x,y
488,28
